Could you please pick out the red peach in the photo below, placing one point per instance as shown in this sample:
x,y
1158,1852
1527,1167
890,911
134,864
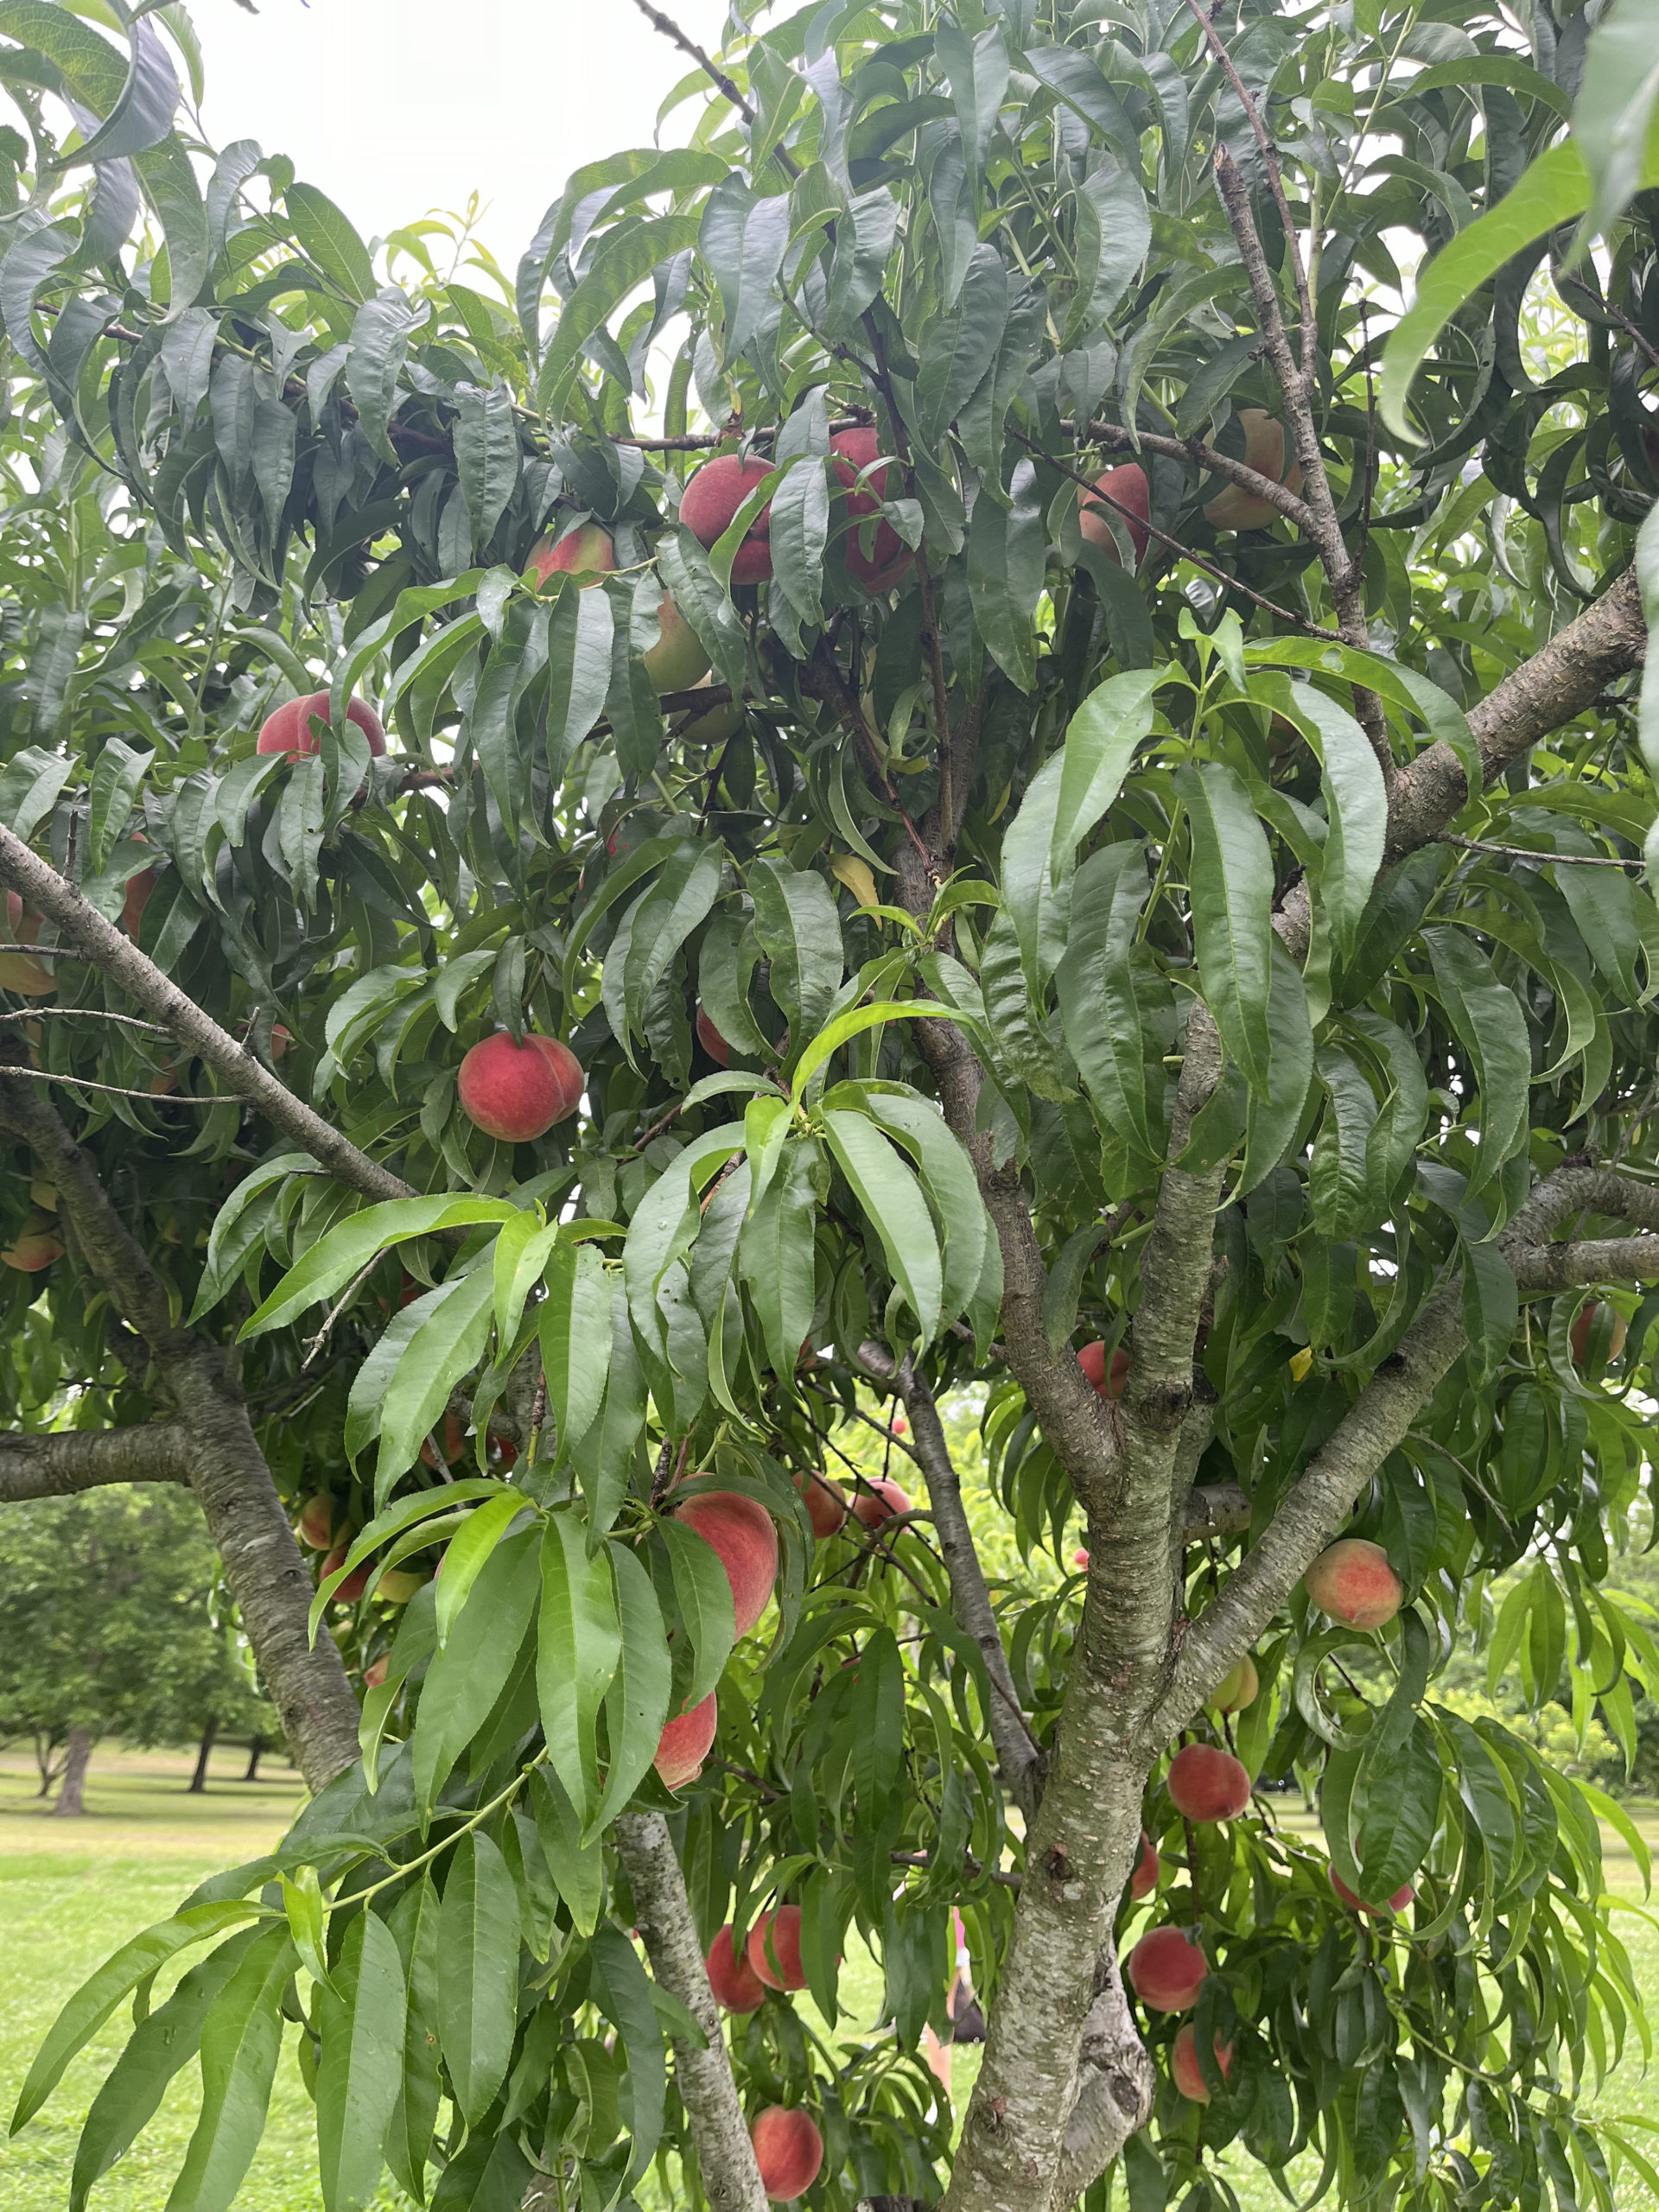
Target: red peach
x,y
711,1041
377,1670
288,729
879,569
711,499
1092,1360
1126,486
1352,1582
1206,1783
1144,1880
1080,1558
745,1541
1590,1318
789,2151
1185,2072
355,1583
34,1247
736,1985
881,1502
587,552
684,1744
776,1936
1167,1969
826,1503
518,1091
139,887
1402,1897
317,1521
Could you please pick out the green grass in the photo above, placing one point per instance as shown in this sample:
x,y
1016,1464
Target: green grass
x,y
72,1891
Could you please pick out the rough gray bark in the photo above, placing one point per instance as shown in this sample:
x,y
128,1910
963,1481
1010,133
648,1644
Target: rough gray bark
x,y
58,1462
731,2180
226,1469
77,1759
1116,2084
1017,1750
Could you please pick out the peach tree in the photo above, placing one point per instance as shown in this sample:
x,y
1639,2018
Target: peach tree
x,y
984,732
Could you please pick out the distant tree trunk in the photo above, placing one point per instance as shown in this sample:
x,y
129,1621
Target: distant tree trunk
x,y
199,1780
76,1760
256,1745
45,1747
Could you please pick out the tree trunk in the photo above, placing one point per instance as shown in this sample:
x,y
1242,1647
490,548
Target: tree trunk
x,y
198,1779
45,1746
255,1747
77,1759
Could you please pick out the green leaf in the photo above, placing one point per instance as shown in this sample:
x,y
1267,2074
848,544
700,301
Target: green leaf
x,y
579,1644
1356,806
1005,547
799,931
1114,232
1616,115
845,1027
115,780
949,1179
741,239
359,2073
413,1926
469,1552
348,1250
578,1868
636,1704
886,1190
574,1333
380,337
1402,1804
522,1251
477,1973
1487,1018
1100,744
1110,995
465,1678
623,258
1231,890
486,455
241,2039
97,1998
448,1345
777,1254
660,921
604,1453
977,71
702,1590
624,1996
580,651
329,240
1271,1123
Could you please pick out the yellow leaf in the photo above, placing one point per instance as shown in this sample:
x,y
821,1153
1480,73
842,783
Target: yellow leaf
x,y
848,869
1301,1361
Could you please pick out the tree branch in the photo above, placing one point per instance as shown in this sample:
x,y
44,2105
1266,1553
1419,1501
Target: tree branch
x,y
111,950
1017,1752
56,1463
731,2180
267,1576
1116,2083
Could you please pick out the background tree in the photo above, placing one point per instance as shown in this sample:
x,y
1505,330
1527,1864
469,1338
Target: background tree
x,y
1157,872
110,1630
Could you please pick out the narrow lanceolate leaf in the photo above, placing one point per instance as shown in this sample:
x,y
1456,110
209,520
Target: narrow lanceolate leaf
x,y
94,2002
448,1345
776,1254
464,1681
360,2070
887,1192
1487,1018
241,2038
579,1646
486,455
345,1251
575,1339
799,931
1232,892
477,1973
636,1705
1356,805
413,1926
624,1996
159,2046
704,1592
580,639
949,1179
1100,743
469,1552
1111,996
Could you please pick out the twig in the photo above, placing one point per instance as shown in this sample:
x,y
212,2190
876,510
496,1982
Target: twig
x,y
970,1866
1115,439
1531,853
715,74
120,1090
83,1012
314,1344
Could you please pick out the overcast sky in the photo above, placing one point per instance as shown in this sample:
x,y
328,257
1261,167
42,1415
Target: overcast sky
x,y
394,107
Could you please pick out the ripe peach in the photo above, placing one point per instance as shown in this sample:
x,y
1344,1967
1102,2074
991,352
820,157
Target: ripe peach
x,y
1080,1558
1144,1880
743,1534
377,1670
789,2151
881,1502
901,1427
711,1041
1264,451
684,1744
889,557
736,1986
20,972
317,1522
1185,2070
1237,1687
1167,1969
518,1091
1352,1581
1591,1317
1206,1783
777,1936
34,1247
1092,1360
587,552
712,498
139,887
826,1503
355,1583
288,729
1128,486
1402,1897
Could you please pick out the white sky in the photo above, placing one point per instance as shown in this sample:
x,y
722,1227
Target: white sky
x,y
394,107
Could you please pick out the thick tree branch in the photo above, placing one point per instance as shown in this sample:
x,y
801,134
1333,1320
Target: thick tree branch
x,y
1561,680
109,948
56,1463
731,2180
1267,489
227,1472
1217,1509
1116,2083
1018,1753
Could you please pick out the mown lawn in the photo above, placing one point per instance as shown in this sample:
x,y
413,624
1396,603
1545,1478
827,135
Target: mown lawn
x,y
72,1891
